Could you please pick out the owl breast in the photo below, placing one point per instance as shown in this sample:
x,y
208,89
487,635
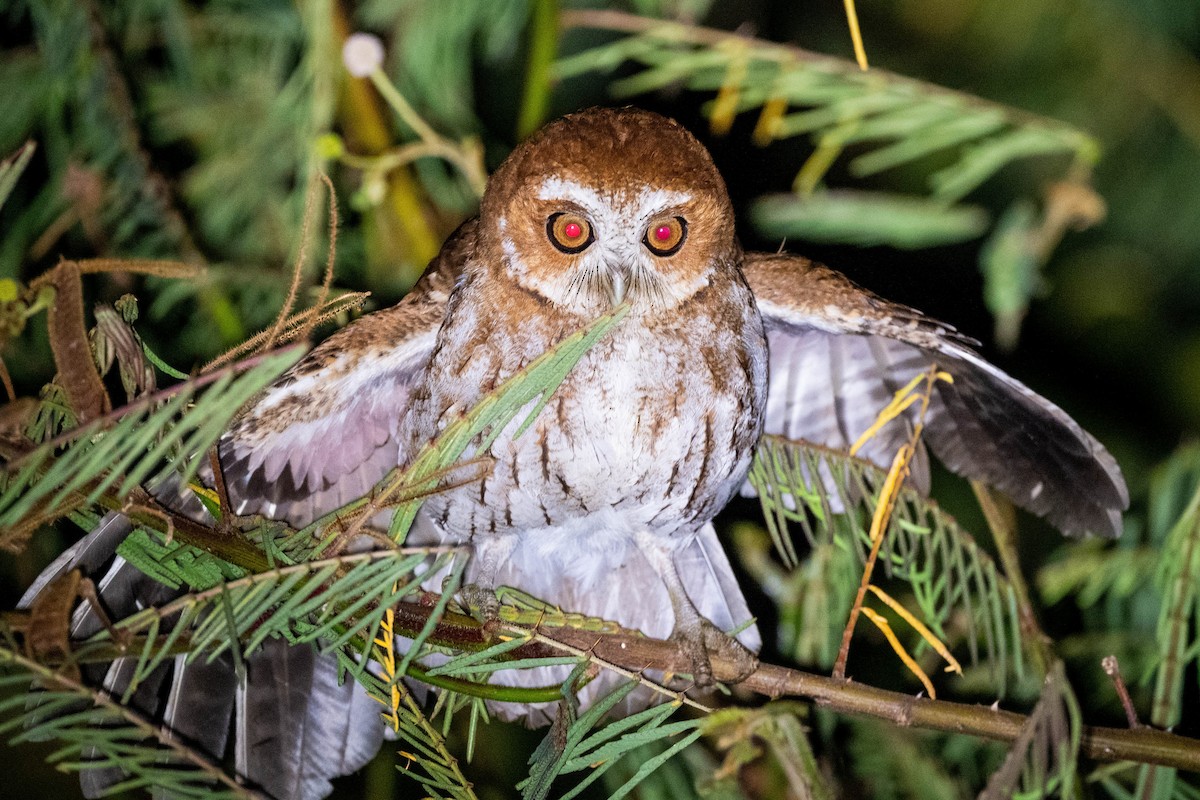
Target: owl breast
x,y
653,430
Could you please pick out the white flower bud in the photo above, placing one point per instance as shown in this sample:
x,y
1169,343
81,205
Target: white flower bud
x,y
362,54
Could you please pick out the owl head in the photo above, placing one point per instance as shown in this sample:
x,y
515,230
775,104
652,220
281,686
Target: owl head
x,y
609,205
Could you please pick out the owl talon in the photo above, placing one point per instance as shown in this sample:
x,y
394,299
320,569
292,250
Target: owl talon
x,y
702,640
483,604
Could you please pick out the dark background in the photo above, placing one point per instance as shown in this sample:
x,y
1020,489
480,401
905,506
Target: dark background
x,y
1114,337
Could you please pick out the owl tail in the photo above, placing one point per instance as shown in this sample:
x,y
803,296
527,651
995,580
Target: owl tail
x,y
294,726
622,586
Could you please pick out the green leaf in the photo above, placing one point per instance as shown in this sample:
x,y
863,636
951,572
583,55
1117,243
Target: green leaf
x,y
953,132
1178,630
98,733
96,460
530,388
12,167
175,564
866,219
950,576
1043,759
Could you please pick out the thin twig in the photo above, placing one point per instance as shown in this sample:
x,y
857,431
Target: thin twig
x,y
6,379
1113,670
149,400
310,202
888,493
297,324
1003,524
634,24
160,268
636,674
330,257
224,524
130,508
883,515
165,737
466,156
860,51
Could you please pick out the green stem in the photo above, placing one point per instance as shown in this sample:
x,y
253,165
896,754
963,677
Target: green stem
x,y
163,366
543,49
403,108
1183,548
1002,524
466,156
141,508
489,691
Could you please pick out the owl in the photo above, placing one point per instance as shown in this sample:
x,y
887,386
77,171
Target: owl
x,y
605,504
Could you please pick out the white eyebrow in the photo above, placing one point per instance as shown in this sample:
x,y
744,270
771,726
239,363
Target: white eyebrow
x,y
649,200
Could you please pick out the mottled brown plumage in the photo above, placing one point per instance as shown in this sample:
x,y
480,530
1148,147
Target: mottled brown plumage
x,y
652,432
605,505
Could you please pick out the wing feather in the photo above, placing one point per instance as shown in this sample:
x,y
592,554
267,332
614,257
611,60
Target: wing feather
x,y
838,353
319,438
326,432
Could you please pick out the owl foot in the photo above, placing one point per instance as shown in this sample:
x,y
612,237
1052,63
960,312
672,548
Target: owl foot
x,y
702,641
483,604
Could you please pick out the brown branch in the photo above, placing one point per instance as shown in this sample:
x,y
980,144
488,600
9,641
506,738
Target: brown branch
x,y
6,379
69,341
144,511
635,652
225,523
1113,670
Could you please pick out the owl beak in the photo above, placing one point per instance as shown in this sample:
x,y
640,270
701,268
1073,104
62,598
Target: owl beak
x,y
618,283
616,287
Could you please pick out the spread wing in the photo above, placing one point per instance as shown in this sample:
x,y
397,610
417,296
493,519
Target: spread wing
x,y
325,433
838,353
321,436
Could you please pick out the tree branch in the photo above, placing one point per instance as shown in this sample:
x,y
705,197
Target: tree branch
x,y
635,24
632,651
635,652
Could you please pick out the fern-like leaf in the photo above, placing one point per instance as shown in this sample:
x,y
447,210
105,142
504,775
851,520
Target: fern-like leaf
x,y
893,121
429,761
1178,632
95,460
1042,761
98,731
924,547
574,743
744,734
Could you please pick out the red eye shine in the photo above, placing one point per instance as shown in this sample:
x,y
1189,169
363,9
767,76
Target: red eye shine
x,y
569,232
664,236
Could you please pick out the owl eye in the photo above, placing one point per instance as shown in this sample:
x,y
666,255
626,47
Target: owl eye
x,y
665,236
570,233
